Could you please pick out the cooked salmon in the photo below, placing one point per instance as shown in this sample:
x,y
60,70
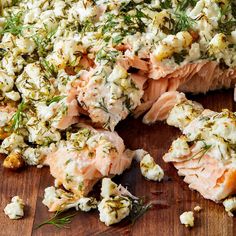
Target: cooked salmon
x,y
86,157
205,153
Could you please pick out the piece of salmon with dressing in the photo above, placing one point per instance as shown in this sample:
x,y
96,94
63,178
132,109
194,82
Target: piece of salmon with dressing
x,y
86,157
205,154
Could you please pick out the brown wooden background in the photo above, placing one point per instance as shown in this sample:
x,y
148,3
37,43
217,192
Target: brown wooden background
x,y
163,219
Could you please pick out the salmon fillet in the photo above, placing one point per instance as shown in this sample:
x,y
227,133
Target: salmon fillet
x,y
204,155
86,157
191,78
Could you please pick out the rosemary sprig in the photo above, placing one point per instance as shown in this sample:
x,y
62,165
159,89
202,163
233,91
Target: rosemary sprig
x,y
58,221
13,25
17,117
139,208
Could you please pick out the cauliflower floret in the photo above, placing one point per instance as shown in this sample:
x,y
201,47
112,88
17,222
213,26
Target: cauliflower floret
x,y
230,205
113,210
15,209
187,219
150,169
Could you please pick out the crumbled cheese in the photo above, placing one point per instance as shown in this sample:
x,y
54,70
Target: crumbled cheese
x,y
109,188
6,81
14,96
197,208
15,209
180,147
150,169
187,219
183,113
113,210
14,141
4,118
230,205
87,204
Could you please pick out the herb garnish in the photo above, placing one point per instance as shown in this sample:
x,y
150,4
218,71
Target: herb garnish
x,y
56,220
139,208
55,99
13,25
18,116
50,70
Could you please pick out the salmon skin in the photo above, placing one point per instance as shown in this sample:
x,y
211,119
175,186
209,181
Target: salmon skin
x,y
205,154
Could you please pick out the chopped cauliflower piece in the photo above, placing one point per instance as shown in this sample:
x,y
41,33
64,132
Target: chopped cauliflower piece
x,y
113,210
15,209
187,219
150,169
230,205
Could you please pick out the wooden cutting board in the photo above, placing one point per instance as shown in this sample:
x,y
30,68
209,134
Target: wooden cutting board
x,y
172,196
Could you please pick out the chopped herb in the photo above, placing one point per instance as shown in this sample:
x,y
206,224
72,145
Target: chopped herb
x,y
102,105
180,57
55,99
166,4
13,25
109,56
202,151
50,70
56,220
183,22
139,208
18,116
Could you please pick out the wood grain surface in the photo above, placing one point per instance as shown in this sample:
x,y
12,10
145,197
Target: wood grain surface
x,y
172,195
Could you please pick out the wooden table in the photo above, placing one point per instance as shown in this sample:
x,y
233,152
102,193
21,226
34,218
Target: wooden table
x,y
173,194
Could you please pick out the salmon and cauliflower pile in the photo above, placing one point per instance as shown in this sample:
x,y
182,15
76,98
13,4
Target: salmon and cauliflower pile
x,y
70,71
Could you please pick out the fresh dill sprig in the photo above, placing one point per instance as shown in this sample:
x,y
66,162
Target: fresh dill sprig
x,y
55,99
43,42
18,116
57,220
50,70
13,25
102,105
202,151
166,4
183,22
139,208
226,25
